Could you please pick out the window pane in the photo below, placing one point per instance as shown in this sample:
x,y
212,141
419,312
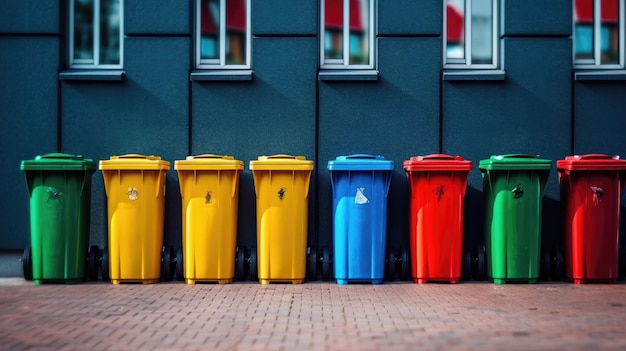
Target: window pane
x,y
359,32
110,32
236,32
609,32
83,29
333,29
482,31
455,14
209,29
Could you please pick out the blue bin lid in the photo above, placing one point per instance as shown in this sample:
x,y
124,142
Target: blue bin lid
x,y
360,162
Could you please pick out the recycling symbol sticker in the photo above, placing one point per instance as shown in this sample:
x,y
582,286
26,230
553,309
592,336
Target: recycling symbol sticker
x,y
360,198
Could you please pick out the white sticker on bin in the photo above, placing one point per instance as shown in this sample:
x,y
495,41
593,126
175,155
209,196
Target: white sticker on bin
x,y
360,198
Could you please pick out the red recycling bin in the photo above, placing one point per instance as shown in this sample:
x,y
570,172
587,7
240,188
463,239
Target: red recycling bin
x,y
437,184
591,188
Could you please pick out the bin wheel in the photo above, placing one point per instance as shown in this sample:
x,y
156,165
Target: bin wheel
x,y
241,264
467,265
105,264
546,264
27,263
166,264
558,264
254,272
391,266
479,260
325,264
406,268
312,265
92,263
180,274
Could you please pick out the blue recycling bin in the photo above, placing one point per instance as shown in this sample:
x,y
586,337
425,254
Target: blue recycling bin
x,y
360,186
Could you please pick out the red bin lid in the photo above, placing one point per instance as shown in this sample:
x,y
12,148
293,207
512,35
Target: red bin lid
x,y
592,162
437,162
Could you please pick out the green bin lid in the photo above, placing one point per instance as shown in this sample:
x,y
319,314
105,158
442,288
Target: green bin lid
x,y
437,162
208,162
515,162
360,162
58,162
281,162
592,162
134,162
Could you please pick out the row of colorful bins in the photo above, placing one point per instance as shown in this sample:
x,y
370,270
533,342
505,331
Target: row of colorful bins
x,y
135,185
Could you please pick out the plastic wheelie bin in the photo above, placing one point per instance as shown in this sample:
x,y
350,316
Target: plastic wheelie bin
x,y
437,184
60,198
282,200
513,187
135,189
209,186
591,189
360,186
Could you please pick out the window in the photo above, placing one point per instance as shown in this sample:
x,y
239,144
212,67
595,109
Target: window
x,y
348,38
96,28
599,34
471,34
222,34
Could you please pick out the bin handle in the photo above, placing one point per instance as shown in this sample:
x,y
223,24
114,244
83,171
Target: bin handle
x,y
440,157
62,155
597,157
211,156
367,156
285,156
518,156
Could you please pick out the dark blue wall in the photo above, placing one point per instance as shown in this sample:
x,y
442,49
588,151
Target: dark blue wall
x,y
538,108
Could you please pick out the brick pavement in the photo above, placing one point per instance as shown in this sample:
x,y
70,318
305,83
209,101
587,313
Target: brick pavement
x,y
312,316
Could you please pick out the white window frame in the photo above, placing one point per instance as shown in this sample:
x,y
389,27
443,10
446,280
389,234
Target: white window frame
x,y
466,63
595,62
344,63
221,62
88,63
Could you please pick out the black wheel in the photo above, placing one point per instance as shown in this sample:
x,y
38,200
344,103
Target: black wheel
x,y
558,264
479,266
105,264
180,273
27,263
167,273
405,271
254,270
546,264
326,264
467,265
241,264
312,265
93,256
391,266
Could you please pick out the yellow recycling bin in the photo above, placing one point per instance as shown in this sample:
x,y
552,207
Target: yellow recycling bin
x,y
135,189
209,186
282,193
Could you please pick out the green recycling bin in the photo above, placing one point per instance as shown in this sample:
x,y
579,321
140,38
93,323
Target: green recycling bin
x,y
513,186
60,197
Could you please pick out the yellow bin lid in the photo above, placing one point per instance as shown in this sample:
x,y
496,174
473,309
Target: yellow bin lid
x,y
208,162
281,162
134,162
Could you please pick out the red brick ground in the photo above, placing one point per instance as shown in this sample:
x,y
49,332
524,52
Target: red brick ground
x,y
312,316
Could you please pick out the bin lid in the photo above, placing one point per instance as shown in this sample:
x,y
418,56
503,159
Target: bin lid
x,y
59,162
208,162
592,162
437,162
360,162
281,162
515,162
134,162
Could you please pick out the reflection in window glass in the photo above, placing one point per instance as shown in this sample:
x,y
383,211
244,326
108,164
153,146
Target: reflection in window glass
x,y
347,37
220,45
96,33
598,33
470,38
